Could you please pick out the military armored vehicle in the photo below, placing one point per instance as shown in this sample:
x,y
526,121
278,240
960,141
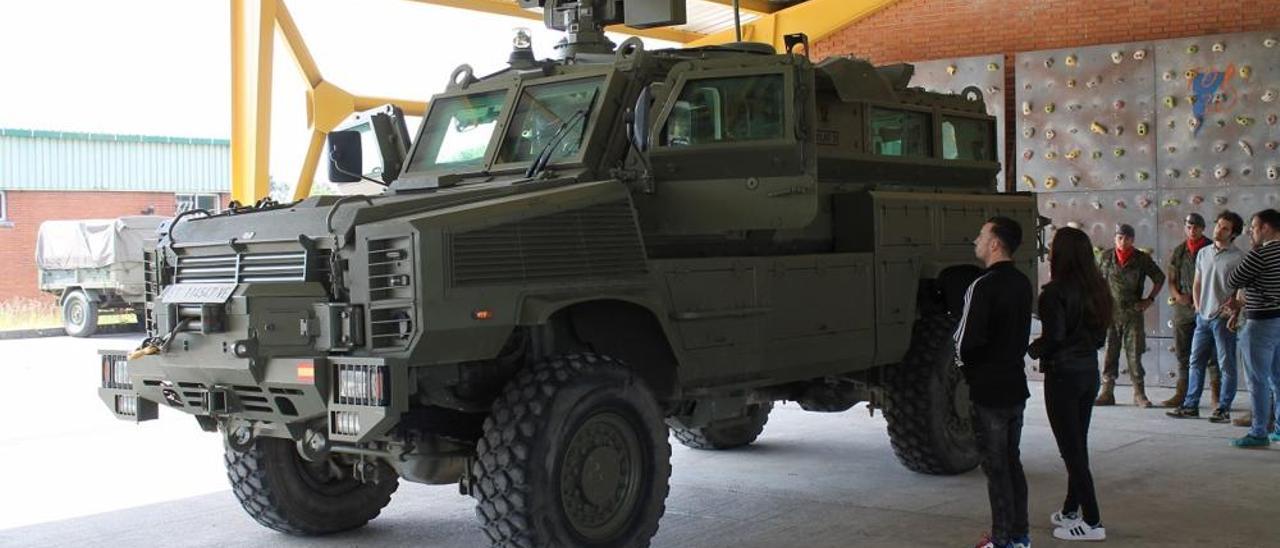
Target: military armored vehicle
x,y
574,258
94,266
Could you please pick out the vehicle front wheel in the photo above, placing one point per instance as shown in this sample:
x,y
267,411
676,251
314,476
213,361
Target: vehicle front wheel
x,y
929,412
282,491
574,453
79,314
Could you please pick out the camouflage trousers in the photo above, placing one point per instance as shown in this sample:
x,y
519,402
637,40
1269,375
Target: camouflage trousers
x,y
1127,331
1184,325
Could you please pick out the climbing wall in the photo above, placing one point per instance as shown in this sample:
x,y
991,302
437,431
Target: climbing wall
x,y
1144,133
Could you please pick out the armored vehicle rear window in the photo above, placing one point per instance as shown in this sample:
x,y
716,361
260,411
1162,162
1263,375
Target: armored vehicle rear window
x,y
457,132
966,139
900,133
548,112
721,110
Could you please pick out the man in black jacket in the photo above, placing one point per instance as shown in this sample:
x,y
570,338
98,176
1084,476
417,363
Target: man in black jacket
x,y
990,342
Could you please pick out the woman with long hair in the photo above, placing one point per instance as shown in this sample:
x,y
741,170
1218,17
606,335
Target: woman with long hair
x,y
1075,311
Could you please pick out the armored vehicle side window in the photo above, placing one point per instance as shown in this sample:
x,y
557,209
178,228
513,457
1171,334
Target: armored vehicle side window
x,y
899,133
721,110
457,131
966,139
550,113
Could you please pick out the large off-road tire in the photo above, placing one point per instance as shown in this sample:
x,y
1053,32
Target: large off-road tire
x,y
282,491
727,433
575,453
79,314
929,412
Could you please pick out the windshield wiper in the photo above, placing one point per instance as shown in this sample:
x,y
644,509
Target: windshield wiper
x,y
544,156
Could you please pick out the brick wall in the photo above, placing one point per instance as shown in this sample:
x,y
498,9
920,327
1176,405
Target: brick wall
x,y
918,30
27,209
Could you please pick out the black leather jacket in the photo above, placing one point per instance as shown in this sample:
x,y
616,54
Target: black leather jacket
x,y
1067,342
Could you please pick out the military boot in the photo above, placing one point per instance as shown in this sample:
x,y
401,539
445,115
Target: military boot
x,y
1108,394
1215,387
1140,396
1180,394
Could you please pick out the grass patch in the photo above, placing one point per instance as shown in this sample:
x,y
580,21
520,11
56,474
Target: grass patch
x,y
19,313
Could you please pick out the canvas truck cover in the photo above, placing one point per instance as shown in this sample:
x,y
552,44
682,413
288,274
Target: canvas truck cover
x,y
93,243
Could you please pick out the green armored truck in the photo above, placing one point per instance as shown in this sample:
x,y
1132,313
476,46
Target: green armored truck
x,y
572,259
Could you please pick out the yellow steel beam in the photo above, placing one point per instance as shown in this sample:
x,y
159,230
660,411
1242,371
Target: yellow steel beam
x,y
252,25
756,6
511,9
816,18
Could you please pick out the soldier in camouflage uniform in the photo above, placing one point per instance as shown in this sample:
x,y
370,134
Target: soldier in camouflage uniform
x,y
1126,269
1182,270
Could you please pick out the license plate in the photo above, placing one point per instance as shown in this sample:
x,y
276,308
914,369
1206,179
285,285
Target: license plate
x,y
197,293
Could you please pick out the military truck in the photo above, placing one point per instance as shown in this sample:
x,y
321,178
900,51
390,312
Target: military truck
x,y
574,258
94,266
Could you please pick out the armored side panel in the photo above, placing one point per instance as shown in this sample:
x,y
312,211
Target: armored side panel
x,y
985,73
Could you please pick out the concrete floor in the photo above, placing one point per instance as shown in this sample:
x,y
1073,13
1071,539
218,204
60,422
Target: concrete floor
x,y
812,480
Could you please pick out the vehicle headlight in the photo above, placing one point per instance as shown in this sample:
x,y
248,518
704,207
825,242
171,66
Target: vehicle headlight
x,y
362,385
346,423
115,372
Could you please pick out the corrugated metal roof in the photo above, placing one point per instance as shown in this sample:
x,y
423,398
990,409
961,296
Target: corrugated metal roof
x,y
55,160
705,17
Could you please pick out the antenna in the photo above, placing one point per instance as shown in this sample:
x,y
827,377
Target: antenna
x,y
737,21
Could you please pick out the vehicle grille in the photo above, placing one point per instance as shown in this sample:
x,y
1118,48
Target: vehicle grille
x,y
391,293
250,267
596,242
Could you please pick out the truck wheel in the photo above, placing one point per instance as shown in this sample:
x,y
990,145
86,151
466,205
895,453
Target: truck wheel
x,y
727,433
282,491
929,413
79,314
574,453
140,317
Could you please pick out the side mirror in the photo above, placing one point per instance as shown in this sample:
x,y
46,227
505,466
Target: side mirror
x,y
345,156
640,122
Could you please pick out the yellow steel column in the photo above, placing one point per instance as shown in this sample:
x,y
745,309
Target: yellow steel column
x,y
252,45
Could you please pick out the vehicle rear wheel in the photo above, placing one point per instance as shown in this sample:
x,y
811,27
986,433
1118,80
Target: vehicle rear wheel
x,y
282,491
727,433
929,412
79,314
574,453
140,317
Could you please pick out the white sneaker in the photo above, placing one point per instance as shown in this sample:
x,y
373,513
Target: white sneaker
x,y
1064,520
1080,531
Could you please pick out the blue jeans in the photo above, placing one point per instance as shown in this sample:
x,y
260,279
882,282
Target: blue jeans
x,y
1261,341
1208,335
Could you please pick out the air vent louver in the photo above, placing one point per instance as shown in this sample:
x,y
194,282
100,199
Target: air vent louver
x,y
597,242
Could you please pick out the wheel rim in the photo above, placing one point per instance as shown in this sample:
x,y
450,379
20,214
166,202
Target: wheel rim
x,y
75,313
600,476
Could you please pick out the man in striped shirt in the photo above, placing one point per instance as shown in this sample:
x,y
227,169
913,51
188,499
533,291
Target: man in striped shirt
x,y
1259,277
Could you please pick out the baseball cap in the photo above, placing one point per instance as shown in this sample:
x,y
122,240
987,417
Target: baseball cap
x,y
1195,219
1126,230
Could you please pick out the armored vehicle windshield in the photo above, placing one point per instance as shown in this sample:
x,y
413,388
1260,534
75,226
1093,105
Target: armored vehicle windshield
x,y
550,115
457,133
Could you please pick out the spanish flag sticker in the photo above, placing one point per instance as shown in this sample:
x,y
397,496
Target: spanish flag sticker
x,y
306,371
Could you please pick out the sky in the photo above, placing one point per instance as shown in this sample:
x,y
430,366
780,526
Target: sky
x,y
162,67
